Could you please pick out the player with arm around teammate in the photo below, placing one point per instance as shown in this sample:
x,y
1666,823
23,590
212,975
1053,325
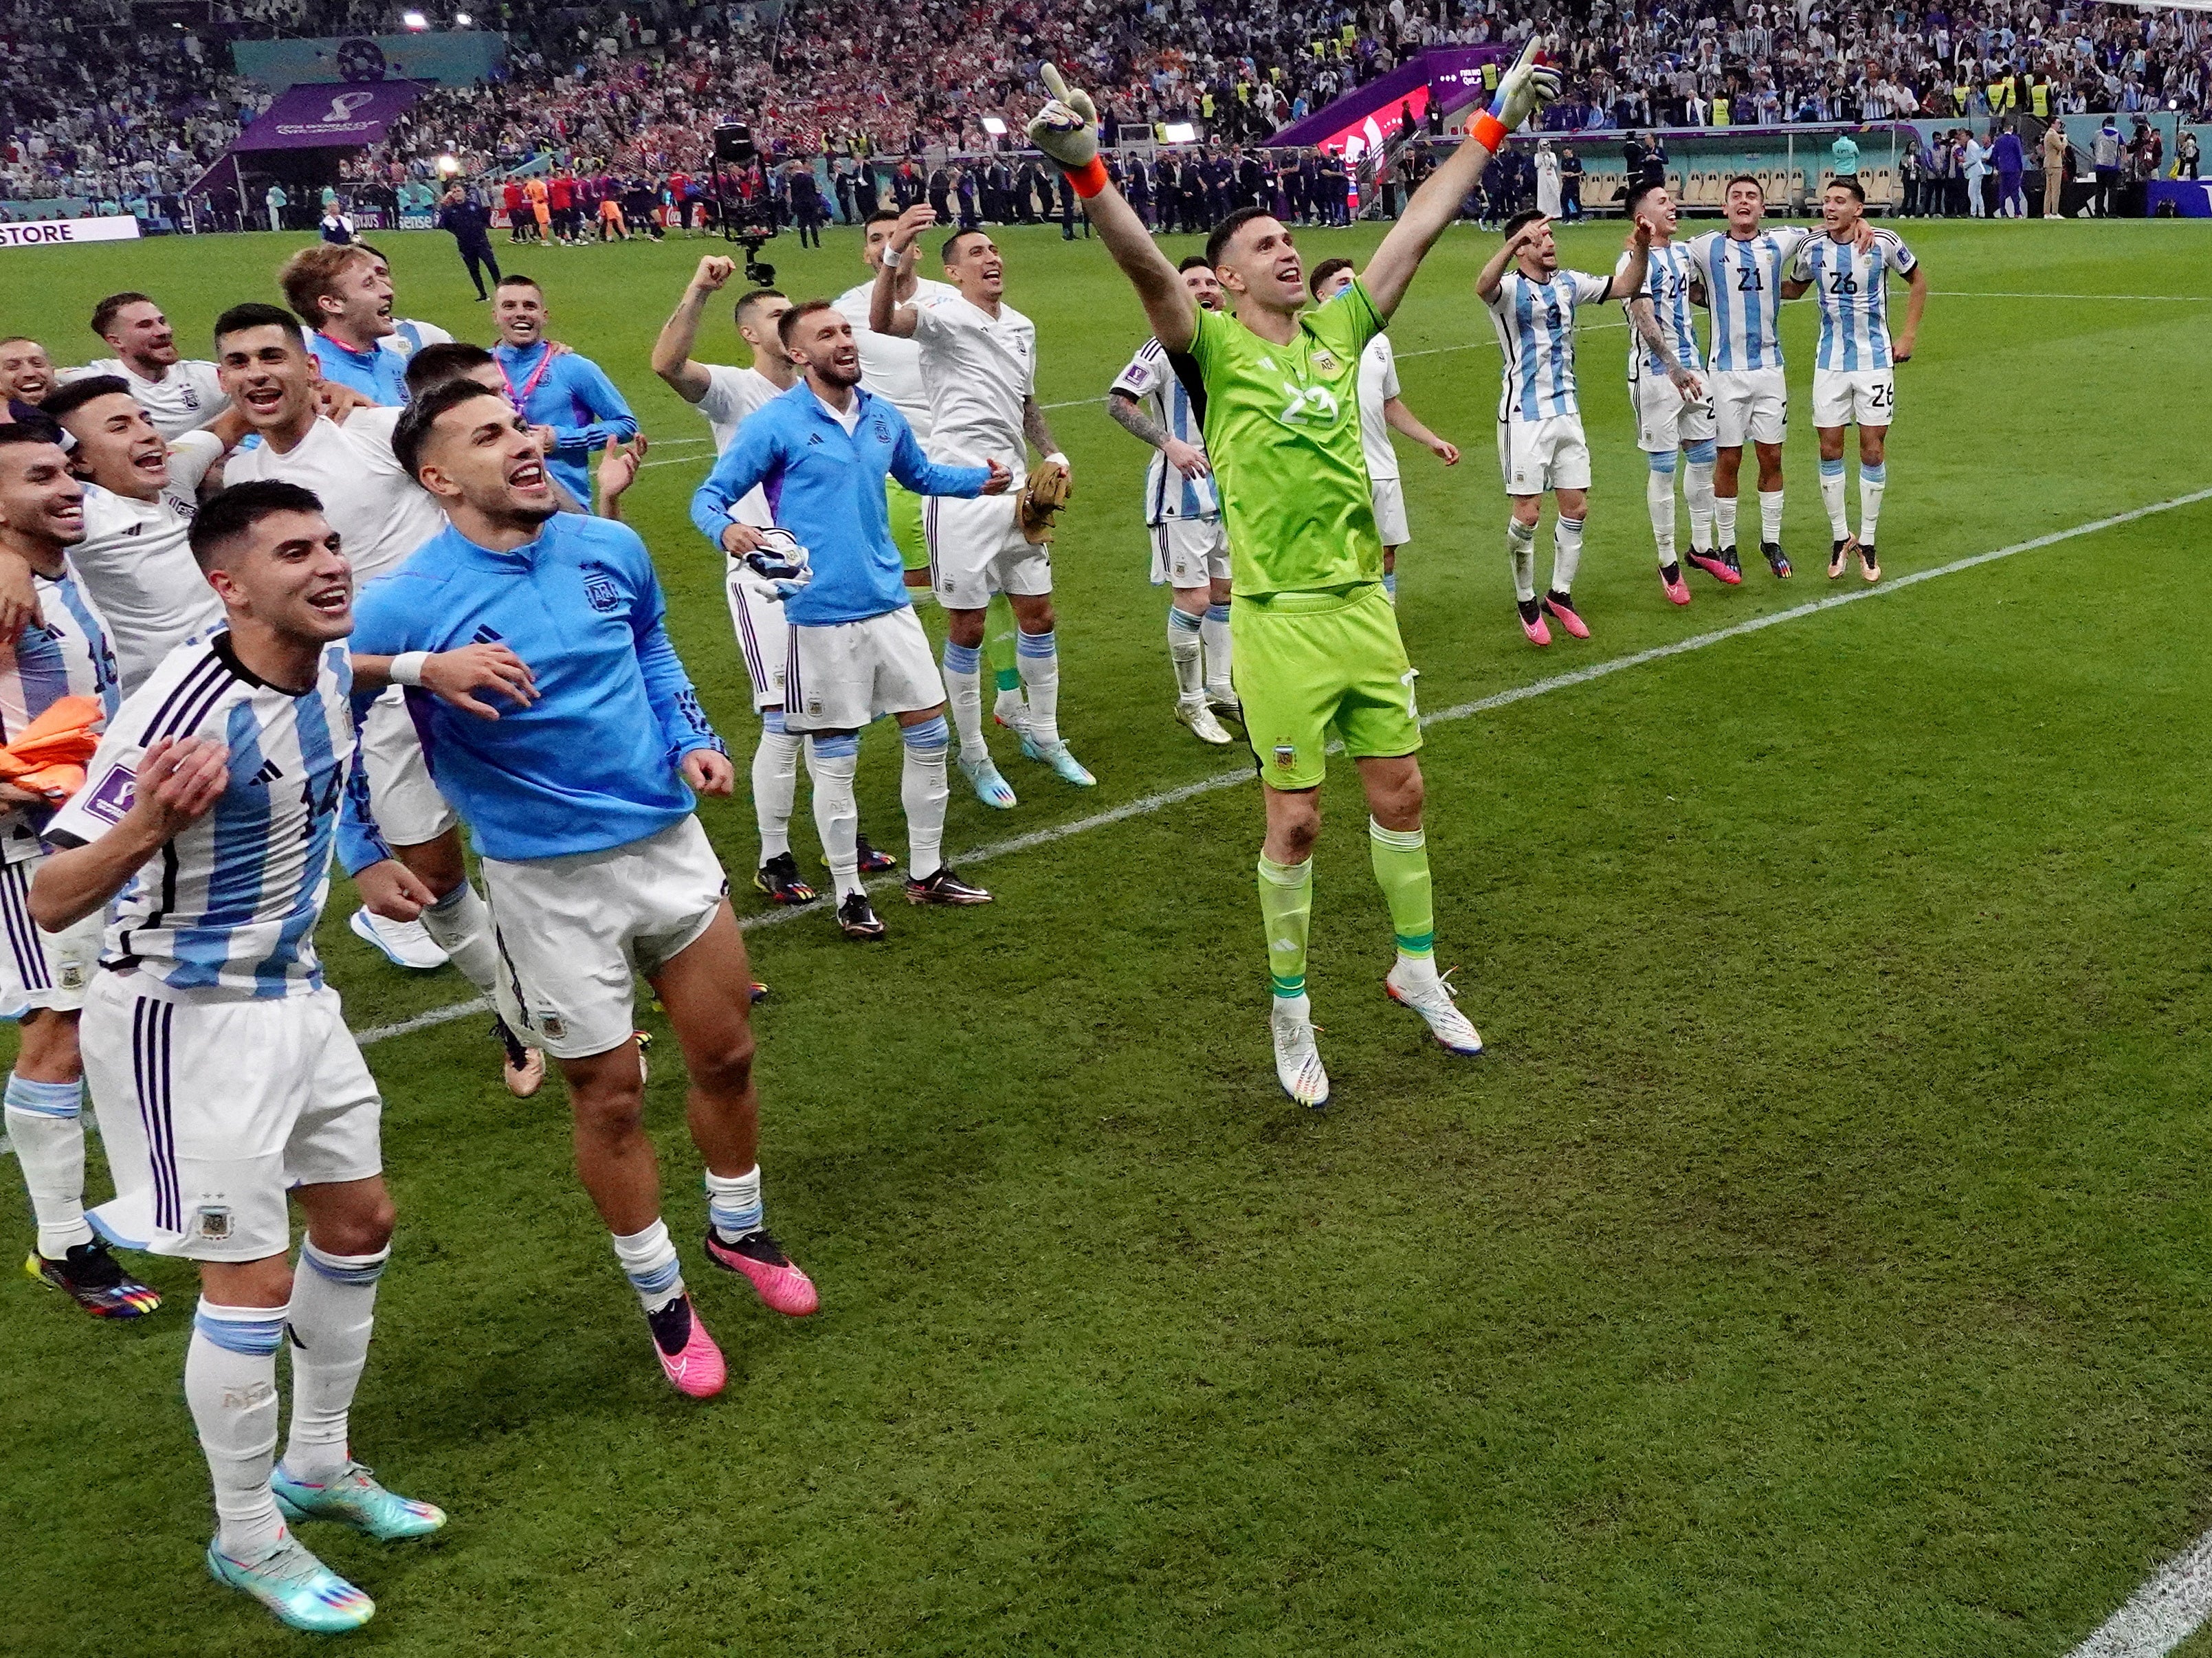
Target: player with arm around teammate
x,y
856,650
1317,645
1855,373
1541,446
1666,393
1190,549
1381,411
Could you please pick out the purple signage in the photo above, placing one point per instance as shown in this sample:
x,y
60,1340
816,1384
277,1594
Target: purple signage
x,y
338,116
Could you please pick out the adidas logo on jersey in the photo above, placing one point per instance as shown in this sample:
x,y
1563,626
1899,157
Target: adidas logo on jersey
x,y
487,636
270,771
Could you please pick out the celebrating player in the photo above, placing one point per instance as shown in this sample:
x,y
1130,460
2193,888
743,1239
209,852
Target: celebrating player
x,y
178,395
1540,445
342,294
580,799
979,371
1381,411
1183,509
554,387
57,670
1317,645
856,650
1666,393
237,1082
1855,374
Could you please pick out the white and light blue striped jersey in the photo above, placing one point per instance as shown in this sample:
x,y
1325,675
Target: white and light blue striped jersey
x,y
1853,291
1151,379
1536,324
65,654
1667,285
1742,278
228,906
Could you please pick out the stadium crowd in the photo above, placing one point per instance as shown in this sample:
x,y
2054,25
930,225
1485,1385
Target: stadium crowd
x,y
88,112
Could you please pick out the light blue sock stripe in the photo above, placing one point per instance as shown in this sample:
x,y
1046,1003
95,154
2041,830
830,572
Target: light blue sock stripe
x,y
1043,644
1663,463
963,659
1834,469
733,1220
45,1099
1875,474
1703,454
835,747
931,733
659,1280
259,1337
772,720
1217,613
1185,620
366,1270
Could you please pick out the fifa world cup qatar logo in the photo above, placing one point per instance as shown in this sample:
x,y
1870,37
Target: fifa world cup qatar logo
x,y
343,106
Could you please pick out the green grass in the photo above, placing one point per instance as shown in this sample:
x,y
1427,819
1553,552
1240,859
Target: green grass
x,y
1815,1264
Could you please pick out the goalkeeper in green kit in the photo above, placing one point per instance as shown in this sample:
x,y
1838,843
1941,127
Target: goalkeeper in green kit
x,y
1315,638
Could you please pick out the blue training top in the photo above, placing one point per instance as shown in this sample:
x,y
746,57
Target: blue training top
x,y
574,396
593,764
826,487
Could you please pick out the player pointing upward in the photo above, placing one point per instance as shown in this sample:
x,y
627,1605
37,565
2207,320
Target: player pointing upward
x,y
1317,641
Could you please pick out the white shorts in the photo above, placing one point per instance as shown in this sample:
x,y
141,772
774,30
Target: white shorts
x,y
1389,497
409,809
1537,455
763,638
1189,552
1665,420
573,933
842,675
1749,405
213,1110
976,549
1848,396
39,968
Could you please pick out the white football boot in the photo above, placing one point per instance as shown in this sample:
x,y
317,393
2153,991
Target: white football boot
x,y
1429,996
1297,1062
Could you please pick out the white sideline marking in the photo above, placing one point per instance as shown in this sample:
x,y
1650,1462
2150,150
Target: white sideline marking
x,y
1149,803
2164,1611
2003,294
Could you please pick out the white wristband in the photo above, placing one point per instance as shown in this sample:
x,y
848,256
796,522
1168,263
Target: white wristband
x,y
407,669
1056,459
891,257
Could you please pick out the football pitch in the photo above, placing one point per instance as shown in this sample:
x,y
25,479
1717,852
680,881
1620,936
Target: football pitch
x,y
1817,1263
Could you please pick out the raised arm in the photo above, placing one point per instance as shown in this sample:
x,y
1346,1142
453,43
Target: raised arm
x,y
1066,130
1493,271
1628,281
895,277
672,352
1527,87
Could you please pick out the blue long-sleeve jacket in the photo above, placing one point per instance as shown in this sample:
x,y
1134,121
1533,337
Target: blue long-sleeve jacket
x,y
826,487
591,765
576,398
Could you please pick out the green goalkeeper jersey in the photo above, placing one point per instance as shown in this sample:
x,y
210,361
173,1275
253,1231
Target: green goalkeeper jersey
x,y
1282,429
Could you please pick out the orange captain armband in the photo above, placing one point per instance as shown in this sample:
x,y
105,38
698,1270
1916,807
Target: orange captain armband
x,y
1488,131
1089,179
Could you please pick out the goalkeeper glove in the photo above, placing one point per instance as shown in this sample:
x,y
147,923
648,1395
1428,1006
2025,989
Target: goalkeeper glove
x,y
1528,86
1066,130
775,569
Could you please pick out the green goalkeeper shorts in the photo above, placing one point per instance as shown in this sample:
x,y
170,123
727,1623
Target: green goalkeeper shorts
x,y
1312,665
906,524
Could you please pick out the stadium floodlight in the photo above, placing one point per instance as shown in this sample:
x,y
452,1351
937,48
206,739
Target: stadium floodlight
x,y
462,19
448,165
1180,132
994,126
413,19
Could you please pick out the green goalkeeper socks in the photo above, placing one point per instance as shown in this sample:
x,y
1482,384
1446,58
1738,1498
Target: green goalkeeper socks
x,y
1286,910
999,643
1401,869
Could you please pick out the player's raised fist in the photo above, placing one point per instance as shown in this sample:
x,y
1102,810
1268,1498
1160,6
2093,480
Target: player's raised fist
x,y
713,270
1528,86
911,223
1067,128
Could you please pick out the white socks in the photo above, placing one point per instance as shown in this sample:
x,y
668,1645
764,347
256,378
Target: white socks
x,y
45,1122
1186,650
1698,496
333,1310
461,924
1724,521
1872,480
1832,497
1566,552
230,1382
832,760
964,686
1521,549
1215,632
1770,515
923,793
1659,495
776,783
1038,655
648,1262
733,1203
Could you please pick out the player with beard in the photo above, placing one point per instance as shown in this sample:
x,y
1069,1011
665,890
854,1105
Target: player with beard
x,y
27,374
178,394
979,373
581,802
555,388
45,974
1318,652
374,504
